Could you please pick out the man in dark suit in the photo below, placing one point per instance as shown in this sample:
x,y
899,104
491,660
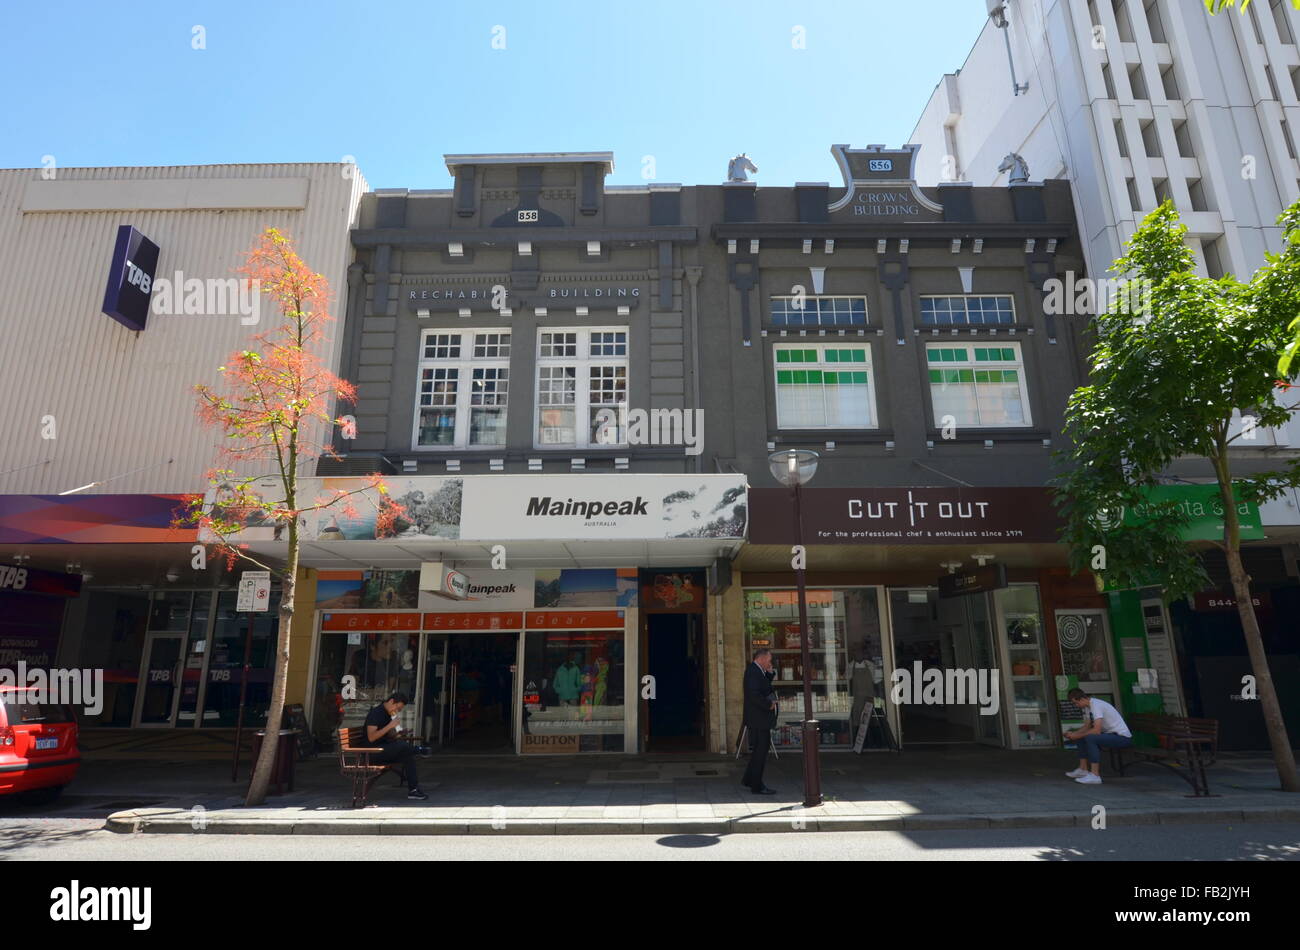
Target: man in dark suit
x,y
760,717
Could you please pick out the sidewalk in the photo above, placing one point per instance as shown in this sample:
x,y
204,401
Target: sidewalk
x,y
957,787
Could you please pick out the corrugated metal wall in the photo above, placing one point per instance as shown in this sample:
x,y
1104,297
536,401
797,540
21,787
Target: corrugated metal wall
x,y
123,400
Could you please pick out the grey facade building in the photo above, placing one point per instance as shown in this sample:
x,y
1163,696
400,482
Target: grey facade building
x,y
517,323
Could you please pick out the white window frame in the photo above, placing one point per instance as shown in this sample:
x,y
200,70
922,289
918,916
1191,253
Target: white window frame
x,y
822,365
965,298
866,310
970,346
464,364
584,362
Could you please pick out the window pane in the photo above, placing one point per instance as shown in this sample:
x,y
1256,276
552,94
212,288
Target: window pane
x,y
1000,404
956,400
438,426
487,426
556,427
491,346
442,346
558,344
847,405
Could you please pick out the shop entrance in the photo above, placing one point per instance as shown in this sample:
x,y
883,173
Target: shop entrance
x,y
469,691
946,635
675,718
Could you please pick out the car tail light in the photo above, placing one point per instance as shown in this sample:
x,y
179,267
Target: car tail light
x,y
6,736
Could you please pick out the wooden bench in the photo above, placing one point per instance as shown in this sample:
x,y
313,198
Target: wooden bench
x,y
1186,747
354,762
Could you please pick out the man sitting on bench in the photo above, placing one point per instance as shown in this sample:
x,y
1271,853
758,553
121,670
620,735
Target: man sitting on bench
x,y
1106,730
382,729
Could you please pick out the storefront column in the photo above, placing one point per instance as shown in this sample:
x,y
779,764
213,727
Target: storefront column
x,y
301,638
734,660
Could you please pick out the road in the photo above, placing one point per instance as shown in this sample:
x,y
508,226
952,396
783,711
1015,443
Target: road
x,y
82,839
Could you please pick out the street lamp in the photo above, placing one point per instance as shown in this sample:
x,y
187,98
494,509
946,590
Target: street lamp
x,y
795,468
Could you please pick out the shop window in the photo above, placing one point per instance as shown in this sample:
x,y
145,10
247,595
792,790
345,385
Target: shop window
x,y
824,386
464,387
581,381
848,665
225,665
818,311
379,663
573,691
979,386
967,310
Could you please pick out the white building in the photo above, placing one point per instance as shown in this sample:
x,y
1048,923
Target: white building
x,y
119,403
1136,101
99,435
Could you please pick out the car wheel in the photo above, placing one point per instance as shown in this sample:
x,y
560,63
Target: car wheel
x,y
41,796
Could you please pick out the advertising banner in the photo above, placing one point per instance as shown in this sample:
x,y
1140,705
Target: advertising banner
x,y
906,515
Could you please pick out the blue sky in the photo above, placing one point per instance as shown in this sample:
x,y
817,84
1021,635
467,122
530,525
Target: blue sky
x,y
398,84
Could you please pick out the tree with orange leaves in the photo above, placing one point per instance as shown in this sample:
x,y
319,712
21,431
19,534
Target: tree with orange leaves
x,y
275,407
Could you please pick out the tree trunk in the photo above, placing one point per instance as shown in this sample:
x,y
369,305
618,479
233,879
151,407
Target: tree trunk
x,y
263,768
1283,756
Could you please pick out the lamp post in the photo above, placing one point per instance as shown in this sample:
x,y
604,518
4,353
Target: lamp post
x,y
794,468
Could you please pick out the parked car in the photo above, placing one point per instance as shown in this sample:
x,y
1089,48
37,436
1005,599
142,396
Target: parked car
x,y
38,746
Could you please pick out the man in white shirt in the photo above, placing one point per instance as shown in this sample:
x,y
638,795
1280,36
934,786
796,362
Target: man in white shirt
x,y
1105,729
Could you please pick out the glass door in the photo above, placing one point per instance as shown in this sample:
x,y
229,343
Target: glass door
x,y
434,699
1086,661
160,680
984,660
1024,665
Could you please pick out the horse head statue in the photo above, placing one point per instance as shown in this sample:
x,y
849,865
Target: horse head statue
x,y
738,166
1017,166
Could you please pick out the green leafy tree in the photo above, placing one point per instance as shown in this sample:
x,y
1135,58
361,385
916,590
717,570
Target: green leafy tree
x,y
1214,6
1165,385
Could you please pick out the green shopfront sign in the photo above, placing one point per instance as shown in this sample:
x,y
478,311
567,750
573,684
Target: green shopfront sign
x,y
1203,506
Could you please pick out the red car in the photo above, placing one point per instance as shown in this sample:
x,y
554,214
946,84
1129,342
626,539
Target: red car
x,y
38,746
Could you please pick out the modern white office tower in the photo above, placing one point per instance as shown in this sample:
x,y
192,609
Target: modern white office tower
x,y
1134,101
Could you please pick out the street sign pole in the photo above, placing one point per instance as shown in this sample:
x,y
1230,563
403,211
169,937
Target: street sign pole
x,y
254,596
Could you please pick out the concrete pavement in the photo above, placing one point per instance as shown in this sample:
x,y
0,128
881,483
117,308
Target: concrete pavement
x,y
933,788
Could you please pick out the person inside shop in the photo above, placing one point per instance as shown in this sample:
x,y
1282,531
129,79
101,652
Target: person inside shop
x,y
1105,729
383,726
862,684
760,717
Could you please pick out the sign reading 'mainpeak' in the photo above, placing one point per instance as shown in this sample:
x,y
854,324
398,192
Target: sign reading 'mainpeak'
x,y
563,507
1203,505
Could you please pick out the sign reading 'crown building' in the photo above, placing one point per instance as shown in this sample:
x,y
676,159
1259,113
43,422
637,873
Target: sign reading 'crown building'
x,y
880,184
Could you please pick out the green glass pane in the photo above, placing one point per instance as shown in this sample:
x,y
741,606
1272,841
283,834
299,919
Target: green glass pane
x,y
814,376
936,375
783,356
933,355
801,376
859,377
859,356
950,375
960,355
982,376
832,356
981,355
967,375
784,377
830,379
1010,376
1009,355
